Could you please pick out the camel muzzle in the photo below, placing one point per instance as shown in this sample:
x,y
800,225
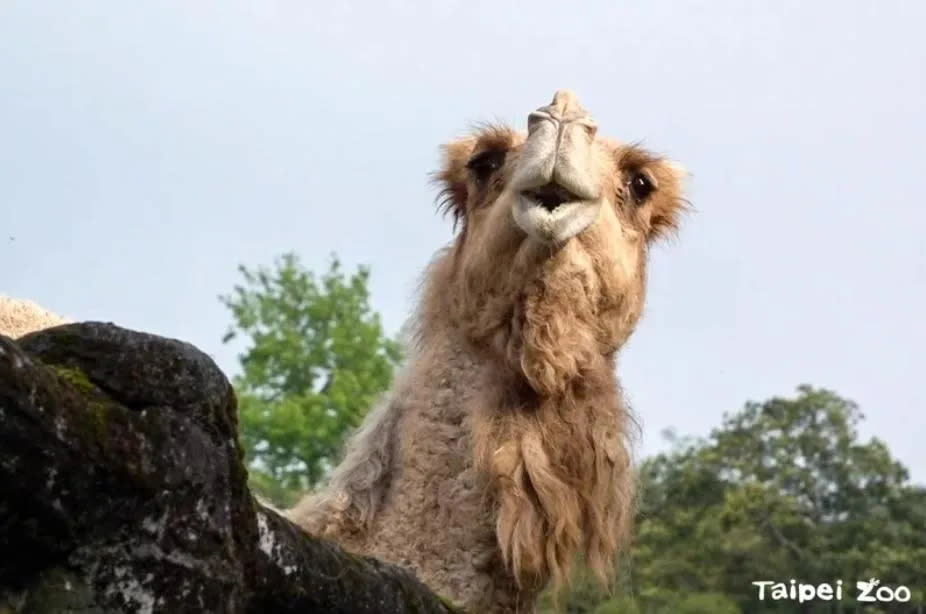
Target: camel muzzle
x,y
558,190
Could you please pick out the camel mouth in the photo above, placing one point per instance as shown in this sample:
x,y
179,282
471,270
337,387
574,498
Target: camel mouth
x,y
550,196
553,214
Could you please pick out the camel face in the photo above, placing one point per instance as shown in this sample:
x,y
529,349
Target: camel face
x,y
548,269
559,180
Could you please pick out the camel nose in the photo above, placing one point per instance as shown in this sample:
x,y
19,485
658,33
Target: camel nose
x,y
566,106
557,176
564,109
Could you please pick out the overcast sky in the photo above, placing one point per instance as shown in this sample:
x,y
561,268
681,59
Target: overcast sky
x,y
148,148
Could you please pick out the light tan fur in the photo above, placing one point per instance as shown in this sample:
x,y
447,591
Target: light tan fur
x,y
19,317
501,453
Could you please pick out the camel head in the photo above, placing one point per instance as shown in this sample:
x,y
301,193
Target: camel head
x,y
548,268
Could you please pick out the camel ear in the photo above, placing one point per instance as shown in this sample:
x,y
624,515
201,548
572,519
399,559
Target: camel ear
x,y
668,202
452,177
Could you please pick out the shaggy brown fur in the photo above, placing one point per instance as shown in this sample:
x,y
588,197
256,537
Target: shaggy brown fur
x,y
502,452
20,317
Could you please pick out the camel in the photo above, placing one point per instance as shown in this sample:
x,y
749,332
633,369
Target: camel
x,y
503,451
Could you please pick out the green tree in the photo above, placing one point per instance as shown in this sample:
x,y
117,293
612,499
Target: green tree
x,y
316,360
782,489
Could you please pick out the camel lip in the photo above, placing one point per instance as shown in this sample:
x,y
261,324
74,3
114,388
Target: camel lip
x,y
539,185
550,196
555,225
562,210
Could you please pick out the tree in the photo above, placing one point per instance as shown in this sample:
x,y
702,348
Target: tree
x,y
783,489
316,360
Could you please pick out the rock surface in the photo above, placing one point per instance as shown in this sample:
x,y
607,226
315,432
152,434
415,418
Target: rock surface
x,y
123,489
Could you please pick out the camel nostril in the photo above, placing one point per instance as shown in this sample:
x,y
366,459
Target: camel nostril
x,y
535,119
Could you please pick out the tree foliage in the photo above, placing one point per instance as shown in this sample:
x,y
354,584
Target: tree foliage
x,y
316,360
782,489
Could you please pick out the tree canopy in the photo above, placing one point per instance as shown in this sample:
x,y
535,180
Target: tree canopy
x,y
316,360
781,489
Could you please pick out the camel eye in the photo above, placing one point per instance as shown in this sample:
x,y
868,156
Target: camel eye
x,y
484,164
641,186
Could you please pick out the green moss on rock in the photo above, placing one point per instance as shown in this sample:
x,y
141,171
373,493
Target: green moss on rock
x,y
75,377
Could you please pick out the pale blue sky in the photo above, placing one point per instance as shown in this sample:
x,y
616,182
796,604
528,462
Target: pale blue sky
x,y
148,148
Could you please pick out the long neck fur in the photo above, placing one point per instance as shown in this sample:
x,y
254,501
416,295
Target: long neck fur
x,y
500,454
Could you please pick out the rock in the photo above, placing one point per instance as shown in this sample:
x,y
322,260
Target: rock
x,y
123,489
